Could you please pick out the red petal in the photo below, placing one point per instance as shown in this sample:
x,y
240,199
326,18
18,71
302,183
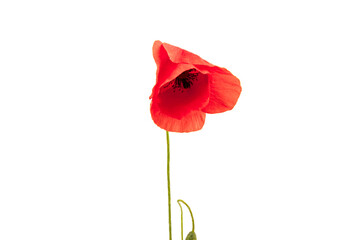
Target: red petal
x,y
159,53
225,90
193,121
178,55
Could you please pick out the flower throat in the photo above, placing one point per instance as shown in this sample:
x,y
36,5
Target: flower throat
x,y
185,80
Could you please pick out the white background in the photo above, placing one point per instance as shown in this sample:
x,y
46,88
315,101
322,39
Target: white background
x,y
80,157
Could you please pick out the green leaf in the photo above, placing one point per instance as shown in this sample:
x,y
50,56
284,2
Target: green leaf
x,y
191,236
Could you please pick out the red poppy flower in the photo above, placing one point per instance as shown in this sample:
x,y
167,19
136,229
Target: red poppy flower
x,y
187,87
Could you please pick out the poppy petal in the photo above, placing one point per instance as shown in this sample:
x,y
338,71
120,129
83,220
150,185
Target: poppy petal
x,y
193,121
156,52
225,90
178,55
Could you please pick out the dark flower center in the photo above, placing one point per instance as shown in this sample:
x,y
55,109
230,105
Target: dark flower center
x,y
184,81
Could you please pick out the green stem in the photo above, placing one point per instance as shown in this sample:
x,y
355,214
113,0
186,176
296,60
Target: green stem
x,y
168,181
182,231
192,216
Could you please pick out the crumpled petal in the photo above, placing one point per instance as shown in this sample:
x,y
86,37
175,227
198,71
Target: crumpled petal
x,y
225,90
178,55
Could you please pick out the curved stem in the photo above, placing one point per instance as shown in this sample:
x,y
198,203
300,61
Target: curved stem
x,y
192,216
168,180
182,226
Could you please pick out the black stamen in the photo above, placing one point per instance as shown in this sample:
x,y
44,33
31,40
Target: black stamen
x,y
185,80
